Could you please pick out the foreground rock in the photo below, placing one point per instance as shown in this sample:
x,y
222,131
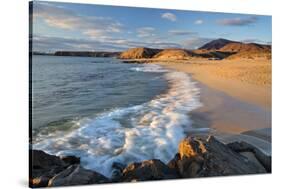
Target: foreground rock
x,y
148,170
263,159
76,175
206,156
200,156
49,170
44,167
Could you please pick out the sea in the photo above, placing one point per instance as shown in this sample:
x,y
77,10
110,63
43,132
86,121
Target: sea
x,y
106,111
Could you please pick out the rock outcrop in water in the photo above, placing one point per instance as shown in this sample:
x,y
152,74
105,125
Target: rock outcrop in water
x,y
200,156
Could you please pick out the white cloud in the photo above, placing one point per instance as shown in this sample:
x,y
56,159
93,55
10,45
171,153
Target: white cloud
x,y
52,44
169,16
145,32
198,22
181,32
238,21
65,19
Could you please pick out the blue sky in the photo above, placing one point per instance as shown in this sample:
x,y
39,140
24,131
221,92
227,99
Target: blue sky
x,y
87,27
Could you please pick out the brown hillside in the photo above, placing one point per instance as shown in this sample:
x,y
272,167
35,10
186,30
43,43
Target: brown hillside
x,y
212,54
138,53
248,51
174,54
242,47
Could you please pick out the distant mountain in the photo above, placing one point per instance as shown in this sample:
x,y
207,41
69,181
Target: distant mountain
x,y
139,53
235,50
87,53
212,54
174,54
247,51
247,47
217,49
216,44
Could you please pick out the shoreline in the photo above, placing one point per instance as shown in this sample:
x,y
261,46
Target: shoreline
x,y
240,82
229,116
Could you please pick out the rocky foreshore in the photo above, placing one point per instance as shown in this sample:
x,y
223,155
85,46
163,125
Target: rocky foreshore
x,y
198,156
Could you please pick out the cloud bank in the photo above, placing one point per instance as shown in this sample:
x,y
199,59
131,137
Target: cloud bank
x,y
238,21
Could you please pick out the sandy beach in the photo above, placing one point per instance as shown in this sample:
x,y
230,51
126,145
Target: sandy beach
x,y
130,94
236,98
246,80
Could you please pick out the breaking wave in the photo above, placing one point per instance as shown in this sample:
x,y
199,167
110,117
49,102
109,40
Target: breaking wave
x,y
137,133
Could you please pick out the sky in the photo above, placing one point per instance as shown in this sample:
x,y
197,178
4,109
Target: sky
x,y
87,27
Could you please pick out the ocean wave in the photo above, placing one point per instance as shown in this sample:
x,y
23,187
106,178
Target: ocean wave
x,y
149,68
137,133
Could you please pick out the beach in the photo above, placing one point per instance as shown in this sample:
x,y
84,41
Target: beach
x,y
123,94
236,98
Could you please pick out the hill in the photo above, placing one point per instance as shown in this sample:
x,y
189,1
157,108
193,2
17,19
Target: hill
x,y
174,54
139,53
247,51
223,48
216,44
250,47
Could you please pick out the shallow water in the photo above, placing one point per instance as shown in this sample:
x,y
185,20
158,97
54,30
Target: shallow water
x,y
105,111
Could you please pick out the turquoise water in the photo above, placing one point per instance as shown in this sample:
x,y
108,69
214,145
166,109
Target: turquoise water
x,y
105,111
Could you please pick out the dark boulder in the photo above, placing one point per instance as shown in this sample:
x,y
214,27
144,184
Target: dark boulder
x,y
44,166
148,170
205,156
41,181
42,160
117,171
70,160
264,160
76,175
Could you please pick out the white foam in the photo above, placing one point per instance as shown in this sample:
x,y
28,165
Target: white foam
x,y
154,130
149,68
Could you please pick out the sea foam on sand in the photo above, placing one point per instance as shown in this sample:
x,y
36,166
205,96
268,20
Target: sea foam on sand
x,y
150,130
